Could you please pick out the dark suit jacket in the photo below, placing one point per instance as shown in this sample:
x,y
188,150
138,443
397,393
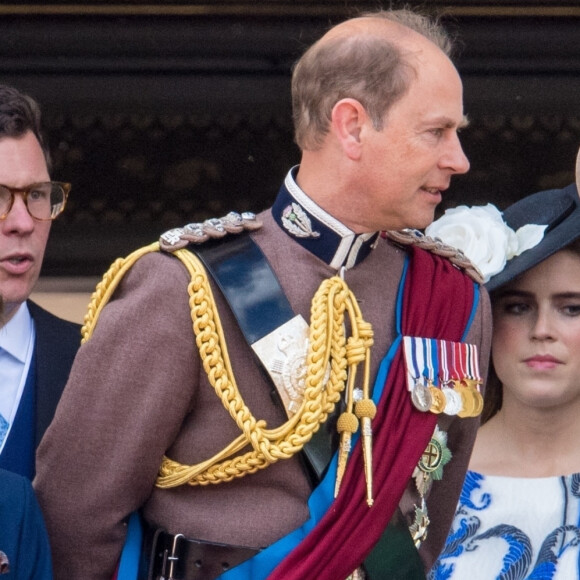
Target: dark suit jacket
x,y
57,342
23,537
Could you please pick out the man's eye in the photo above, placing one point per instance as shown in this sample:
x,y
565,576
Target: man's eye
x,y
37,194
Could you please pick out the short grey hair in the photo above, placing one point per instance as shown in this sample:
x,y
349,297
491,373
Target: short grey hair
x,y
369,68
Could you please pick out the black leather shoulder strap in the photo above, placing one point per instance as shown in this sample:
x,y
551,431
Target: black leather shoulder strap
x,y
240,269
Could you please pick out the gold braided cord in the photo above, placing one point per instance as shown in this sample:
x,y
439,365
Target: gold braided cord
x,y
326,350
327,361
358,350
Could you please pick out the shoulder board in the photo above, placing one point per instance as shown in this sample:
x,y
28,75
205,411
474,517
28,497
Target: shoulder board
x,y
214,228
411,237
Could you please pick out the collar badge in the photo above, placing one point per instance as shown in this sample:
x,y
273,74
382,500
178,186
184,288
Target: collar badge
x,y
297,222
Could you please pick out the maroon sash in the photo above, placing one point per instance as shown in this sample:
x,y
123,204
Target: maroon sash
x,y
437,303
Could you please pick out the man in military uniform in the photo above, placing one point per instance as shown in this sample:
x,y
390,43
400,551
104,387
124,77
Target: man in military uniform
x,y
177,375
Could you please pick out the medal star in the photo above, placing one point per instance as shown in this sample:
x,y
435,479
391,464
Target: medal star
x,y
435,456
418,528
440,437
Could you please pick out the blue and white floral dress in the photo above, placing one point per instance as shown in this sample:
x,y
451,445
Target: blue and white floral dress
x,y
513,528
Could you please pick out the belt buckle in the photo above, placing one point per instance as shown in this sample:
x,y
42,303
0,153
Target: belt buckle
x,y
170,560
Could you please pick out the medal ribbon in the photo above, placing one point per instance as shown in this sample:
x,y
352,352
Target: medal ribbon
x,y
412,362
432,358
444,361
473,364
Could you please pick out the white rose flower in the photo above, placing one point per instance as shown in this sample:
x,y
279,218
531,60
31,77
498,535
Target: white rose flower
x,y
482,235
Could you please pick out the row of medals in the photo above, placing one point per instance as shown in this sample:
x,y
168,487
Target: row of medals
x,y
459,397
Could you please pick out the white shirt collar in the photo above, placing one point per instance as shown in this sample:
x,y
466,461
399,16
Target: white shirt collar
x,y
15,334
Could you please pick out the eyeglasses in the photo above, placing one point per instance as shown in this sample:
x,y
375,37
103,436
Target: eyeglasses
x,y
44,201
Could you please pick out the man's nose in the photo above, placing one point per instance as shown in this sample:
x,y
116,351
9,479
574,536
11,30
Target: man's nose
x,y
454,157
18,218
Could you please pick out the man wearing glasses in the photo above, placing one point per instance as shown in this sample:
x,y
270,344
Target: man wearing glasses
x,y
36,347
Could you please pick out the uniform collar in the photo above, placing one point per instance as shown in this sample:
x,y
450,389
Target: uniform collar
x,y
317,231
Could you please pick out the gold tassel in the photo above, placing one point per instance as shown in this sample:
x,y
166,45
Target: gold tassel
x,y
347,425
366,410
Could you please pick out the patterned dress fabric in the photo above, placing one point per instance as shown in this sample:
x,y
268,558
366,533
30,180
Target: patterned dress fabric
x,y
513,528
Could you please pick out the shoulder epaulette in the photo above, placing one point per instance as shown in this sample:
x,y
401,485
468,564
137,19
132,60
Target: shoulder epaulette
x,y
214,228
411,237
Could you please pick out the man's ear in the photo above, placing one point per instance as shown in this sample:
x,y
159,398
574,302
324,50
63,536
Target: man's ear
x,y
347,120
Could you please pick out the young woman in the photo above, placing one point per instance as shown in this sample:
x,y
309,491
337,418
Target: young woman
x,y
519,511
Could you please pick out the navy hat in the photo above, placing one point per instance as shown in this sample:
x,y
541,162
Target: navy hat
x,y
559,209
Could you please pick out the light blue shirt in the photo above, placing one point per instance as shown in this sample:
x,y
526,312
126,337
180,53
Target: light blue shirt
x,y
16,346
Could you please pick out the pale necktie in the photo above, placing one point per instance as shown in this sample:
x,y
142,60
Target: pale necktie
x,y
4,425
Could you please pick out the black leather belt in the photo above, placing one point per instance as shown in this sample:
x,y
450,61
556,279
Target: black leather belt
x,y
175,557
